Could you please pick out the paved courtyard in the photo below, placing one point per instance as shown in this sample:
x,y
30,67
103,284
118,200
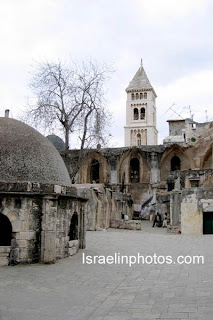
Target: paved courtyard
x,y
71,290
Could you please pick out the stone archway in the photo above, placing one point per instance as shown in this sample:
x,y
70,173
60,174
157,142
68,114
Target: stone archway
x,y
134,170
175,163
73,233
5,231
95,171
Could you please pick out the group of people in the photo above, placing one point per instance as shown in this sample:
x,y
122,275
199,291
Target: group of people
x,y
158,220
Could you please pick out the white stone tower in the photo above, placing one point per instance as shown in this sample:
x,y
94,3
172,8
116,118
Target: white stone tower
x,y
140,128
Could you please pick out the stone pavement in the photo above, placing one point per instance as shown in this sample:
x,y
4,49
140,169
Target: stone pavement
x,y
70,290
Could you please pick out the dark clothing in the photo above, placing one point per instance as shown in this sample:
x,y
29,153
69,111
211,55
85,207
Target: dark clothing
x,y
157,219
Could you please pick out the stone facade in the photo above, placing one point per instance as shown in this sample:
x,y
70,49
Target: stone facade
x,y
41,222
140,128
104,205
153,176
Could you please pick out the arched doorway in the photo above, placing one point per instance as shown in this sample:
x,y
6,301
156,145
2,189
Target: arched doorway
x,y
175,163
95,169
73,233
5,231
134,170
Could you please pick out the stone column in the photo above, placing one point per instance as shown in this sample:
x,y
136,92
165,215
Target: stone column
x,y
48,227
155,171
113,171
175,202
82,228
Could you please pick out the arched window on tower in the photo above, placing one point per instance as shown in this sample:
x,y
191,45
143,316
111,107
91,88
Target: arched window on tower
x,y
143,113
95,168
139,139
5,231
73,233
141,95
135,114
137,96
134,170
133,96
175,163
145,95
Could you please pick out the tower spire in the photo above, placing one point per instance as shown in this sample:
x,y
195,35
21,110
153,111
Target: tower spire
x,y
141,62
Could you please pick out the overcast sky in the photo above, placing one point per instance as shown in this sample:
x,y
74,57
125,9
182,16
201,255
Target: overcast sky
x,y
174,38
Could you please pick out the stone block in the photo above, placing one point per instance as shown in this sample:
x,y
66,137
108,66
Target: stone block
x,y
4,261
57,189
48,246
27,235
5,249
22,243
72,251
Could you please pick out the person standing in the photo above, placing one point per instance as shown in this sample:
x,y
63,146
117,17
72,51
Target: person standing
x,y
165,221
155,219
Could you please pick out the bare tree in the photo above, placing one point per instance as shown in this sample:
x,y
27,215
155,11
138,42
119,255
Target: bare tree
x,y
72,96
90,95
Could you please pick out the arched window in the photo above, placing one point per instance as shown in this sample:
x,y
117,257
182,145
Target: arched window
x,y
145,95
141,95
133,96
95,168
139,139
5,231
134,170
143,113
137,97
73,233
135,114
175,163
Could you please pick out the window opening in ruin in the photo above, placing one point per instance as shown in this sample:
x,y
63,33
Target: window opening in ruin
x,y
73,233
137,97
5,231
175,163
123,183
133,96
195,183
143,113
135,114
171,186
139,139
207,222
141,95
145,95
95,168
134,170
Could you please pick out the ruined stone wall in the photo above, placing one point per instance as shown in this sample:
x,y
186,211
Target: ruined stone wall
x,y
103,205
176,128
40,222
24,215
165,164
194,203
204,177
65,211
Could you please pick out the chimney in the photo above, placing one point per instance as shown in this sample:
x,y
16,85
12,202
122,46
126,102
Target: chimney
x,y
7,113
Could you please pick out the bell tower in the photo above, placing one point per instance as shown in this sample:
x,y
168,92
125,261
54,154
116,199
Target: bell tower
x,y
140,128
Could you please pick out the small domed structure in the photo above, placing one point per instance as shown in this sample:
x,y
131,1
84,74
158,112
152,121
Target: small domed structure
x,y
26,155
57,142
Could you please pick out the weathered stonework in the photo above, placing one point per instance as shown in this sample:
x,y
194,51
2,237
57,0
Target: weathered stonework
x,y
153,176
40,213
41,224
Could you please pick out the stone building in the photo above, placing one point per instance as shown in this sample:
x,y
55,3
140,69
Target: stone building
x,y
171,178
42,218
140,128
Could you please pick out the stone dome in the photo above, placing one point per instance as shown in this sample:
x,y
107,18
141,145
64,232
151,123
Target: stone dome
x,y
57,142
26,155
